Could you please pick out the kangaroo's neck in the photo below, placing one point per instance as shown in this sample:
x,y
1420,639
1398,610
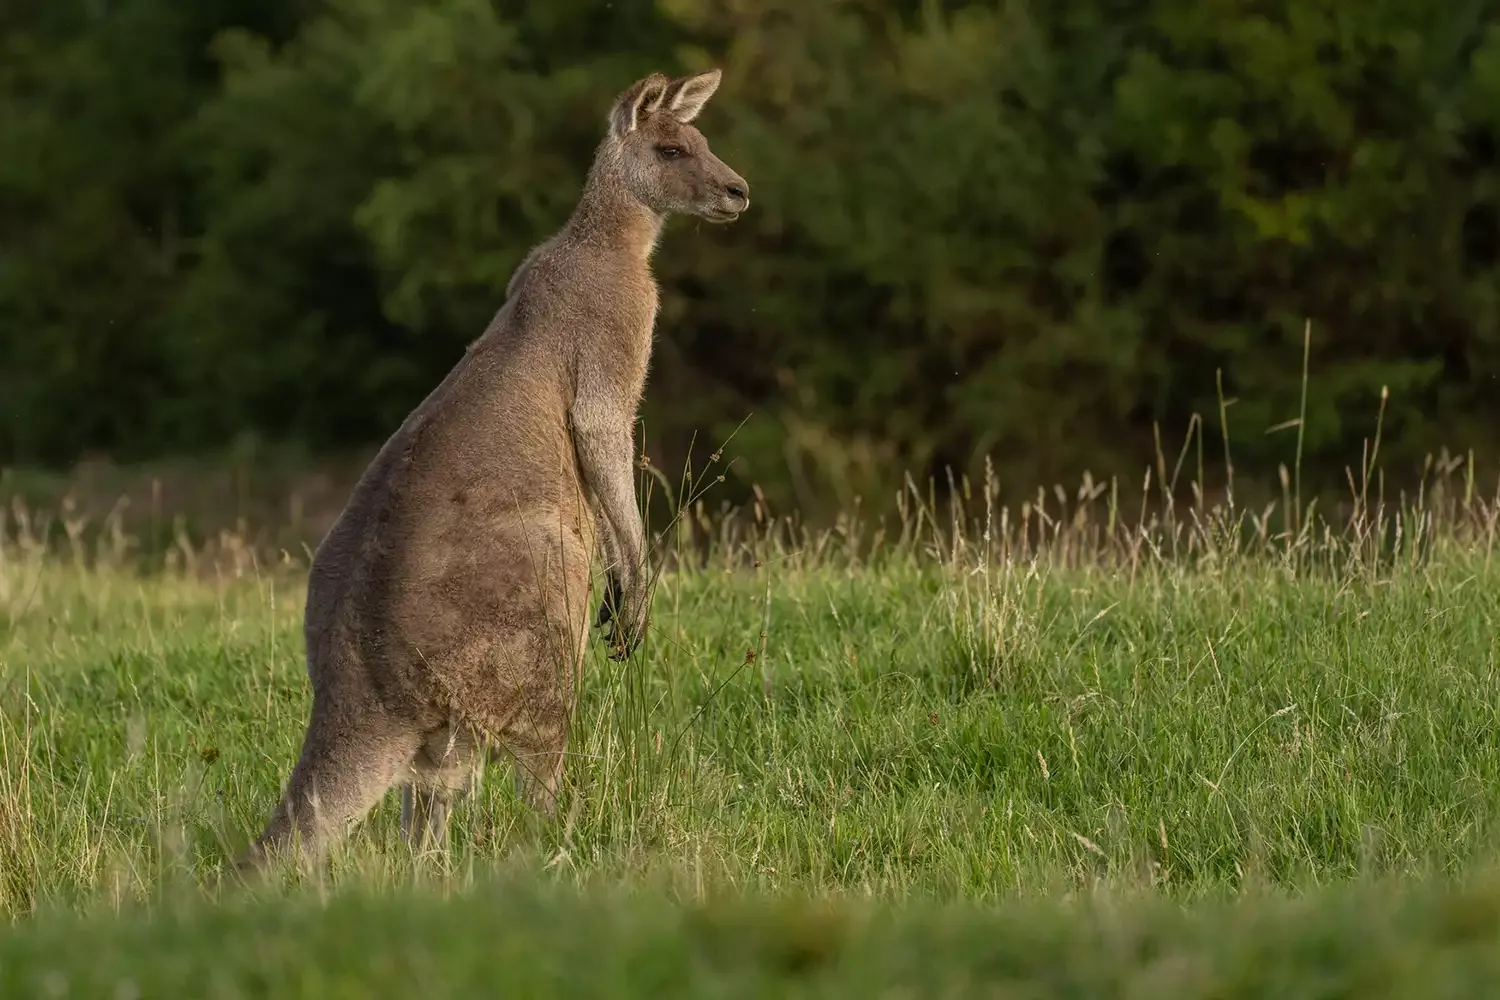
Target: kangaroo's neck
x,y
610,220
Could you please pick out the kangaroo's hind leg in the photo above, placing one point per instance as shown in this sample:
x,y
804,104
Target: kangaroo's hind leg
x,y
352,754
550,662
537,742
444,770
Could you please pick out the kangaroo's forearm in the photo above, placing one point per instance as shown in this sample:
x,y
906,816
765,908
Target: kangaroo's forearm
x,y
604,461
606,544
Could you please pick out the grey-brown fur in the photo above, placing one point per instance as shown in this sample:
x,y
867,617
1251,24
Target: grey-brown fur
x,y
448,606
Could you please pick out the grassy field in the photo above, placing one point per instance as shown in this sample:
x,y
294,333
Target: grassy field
x,y
944,765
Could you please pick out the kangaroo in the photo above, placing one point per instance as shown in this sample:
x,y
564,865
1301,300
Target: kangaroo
x,y
447,608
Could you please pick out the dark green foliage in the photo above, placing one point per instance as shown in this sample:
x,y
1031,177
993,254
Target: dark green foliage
x,y
1026,230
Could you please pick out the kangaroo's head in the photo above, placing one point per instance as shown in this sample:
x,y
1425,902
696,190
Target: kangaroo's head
x,y
662,160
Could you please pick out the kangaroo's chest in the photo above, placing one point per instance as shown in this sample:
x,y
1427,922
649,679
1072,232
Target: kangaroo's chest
x,y
622,339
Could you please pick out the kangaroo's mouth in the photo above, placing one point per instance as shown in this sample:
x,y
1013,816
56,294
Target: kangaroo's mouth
x,y
720,216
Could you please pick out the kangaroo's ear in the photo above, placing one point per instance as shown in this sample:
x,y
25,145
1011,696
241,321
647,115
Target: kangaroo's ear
x,y
644,97
686,97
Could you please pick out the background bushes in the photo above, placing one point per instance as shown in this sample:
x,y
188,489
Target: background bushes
x,y
1030,231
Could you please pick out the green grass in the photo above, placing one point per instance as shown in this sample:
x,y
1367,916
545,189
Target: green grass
x,y
961,733
516,939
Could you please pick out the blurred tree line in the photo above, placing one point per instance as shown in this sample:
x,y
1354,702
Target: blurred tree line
x,y
1027,230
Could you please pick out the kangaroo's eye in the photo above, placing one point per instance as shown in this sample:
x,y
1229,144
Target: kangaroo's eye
x,y
669,152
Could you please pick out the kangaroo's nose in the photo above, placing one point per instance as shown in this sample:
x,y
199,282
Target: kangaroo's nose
x,y
738,189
